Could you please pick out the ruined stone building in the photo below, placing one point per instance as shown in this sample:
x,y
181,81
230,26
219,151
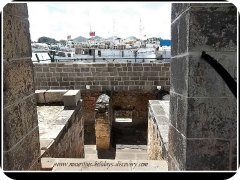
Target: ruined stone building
x,y
49,116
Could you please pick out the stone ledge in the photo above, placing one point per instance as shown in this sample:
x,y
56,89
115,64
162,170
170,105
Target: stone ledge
x,y
159,124
71,98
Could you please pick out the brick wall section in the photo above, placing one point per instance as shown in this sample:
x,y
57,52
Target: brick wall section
x,y
21,147
118,76
70,141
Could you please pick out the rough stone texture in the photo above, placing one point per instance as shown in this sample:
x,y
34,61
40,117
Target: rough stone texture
x,y
16,36
54,96
103,123
20,134
158,126
177,9
69,138
23,155
215,118
21,116
101,77
40,96
179,75
134,102
177,147
213,33
201,152
89,103
17,79
202,108
71,98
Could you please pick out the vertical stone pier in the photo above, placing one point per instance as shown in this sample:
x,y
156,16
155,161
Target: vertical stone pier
x,y
21,147
103,123
203,111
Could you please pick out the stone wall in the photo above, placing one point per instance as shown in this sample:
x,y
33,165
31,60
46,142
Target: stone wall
x,y
134,101
101,77
69,143
21,147
203,111
158,127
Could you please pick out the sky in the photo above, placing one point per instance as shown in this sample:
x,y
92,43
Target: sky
x,y
60,19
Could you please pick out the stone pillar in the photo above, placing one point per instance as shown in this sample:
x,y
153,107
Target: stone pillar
x,y
21,148
203,111
103,123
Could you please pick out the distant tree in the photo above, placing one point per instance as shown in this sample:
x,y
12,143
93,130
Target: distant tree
x,y
46,40
63,42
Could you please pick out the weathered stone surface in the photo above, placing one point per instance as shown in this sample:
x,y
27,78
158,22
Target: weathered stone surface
x,y
40,96
20,157
17,80
16,37
177,147
68,139
174,38
102,130
212,118
213,33
53,96
173,109
201,152
172,166
17,9
178,9
71,98
181,118
19,120
204,81
179,75
183,33
158,126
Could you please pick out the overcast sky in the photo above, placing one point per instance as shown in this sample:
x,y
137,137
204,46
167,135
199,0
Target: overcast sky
x,y
57,20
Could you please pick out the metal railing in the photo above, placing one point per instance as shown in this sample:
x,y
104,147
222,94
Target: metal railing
x,y
106,59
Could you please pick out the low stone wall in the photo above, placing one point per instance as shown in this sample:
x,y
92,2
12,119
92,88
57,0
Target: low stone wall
x,y
111,76
69,143
158,126
61,136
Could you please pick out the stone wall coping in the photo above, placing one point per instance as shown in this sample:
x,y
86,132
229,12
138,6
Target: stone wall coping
x,y
159,110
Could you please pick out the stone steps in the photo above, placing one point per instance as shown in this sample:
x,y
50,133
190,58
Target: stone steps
x,y
122,152
102,165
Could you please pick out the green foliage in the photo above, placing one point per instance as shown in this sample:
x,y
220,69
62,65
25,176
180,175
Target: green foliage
x,y
46,40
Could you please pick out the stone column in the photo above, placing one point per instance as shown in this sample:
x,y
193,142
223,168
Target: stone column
x,y
103,123
203,111
21,147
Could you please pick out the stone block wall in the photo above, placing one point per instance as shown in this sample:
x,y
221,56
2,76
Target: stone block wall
x,y
21,147
69,143
135,101
158,127
101,77
203,111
